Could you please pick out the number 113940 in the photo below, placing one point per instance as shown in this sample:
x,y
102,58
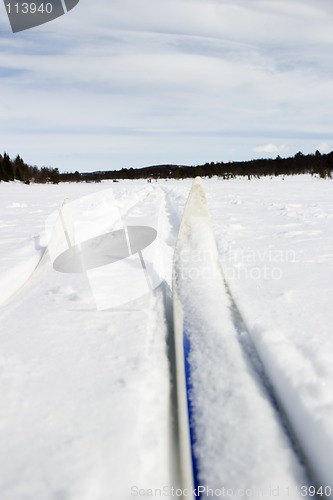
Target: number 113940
x,y
29,8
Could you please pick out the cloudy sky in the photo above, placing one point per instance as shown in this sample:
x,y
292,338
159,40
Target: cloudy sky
x,y
128,83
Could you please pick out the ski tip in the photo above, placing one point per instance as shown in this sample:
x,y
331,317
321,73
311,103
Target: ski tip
x,y
197,184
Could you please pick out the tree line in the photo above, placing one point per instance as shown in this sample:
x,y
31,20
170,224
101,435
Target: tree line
x,y
314,164
17,169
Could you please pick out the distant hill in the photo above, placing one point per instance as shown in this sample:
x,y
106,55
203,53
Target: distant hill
x,y
315,164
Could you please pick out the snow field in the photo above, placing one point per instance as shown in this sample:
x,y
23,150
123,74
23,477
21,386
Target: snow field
x,y
86,406
86,394
286,302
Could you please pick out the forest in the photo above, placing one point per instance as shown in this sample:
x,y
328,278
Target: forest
x,y
315,164
17,170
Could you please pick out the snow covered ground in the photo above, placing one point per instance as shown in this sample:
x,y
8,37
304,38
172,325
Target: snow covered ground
x,y
86,397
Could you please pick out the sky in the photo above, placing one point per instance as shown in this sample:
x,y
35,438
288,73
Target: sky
x,y
130,83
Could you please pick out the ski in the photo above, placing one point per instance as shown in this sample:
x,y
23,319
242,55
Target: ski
x,y
195,254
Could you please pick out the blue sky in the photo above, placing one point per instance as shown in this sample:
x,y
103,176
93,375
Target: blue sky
x,y
128,83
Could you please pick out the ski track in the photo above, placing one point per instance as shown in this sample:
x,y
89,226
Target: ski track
x,y
298,385
88,412
248,435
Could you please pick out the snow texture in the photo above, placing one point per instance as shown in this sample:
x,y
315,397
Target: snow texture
x,y
86,392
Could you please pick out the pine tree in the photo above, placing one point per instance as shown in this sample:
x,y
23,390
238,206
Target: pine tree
x,y
7,168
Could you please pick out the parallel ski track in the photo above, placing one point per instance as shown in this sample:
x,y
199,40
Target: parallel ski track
x,y
258,366
245,341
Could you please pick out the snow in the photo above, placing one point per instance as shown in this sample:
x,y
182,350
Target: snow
x,y
86,394
281,277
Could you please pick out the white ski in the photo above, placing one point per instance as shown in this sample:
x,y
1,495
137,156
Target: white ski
x,y
195,248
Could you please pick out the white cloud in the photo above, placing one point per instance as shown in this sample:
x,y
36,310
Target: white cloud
x,y
270,148
324,147
194,78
